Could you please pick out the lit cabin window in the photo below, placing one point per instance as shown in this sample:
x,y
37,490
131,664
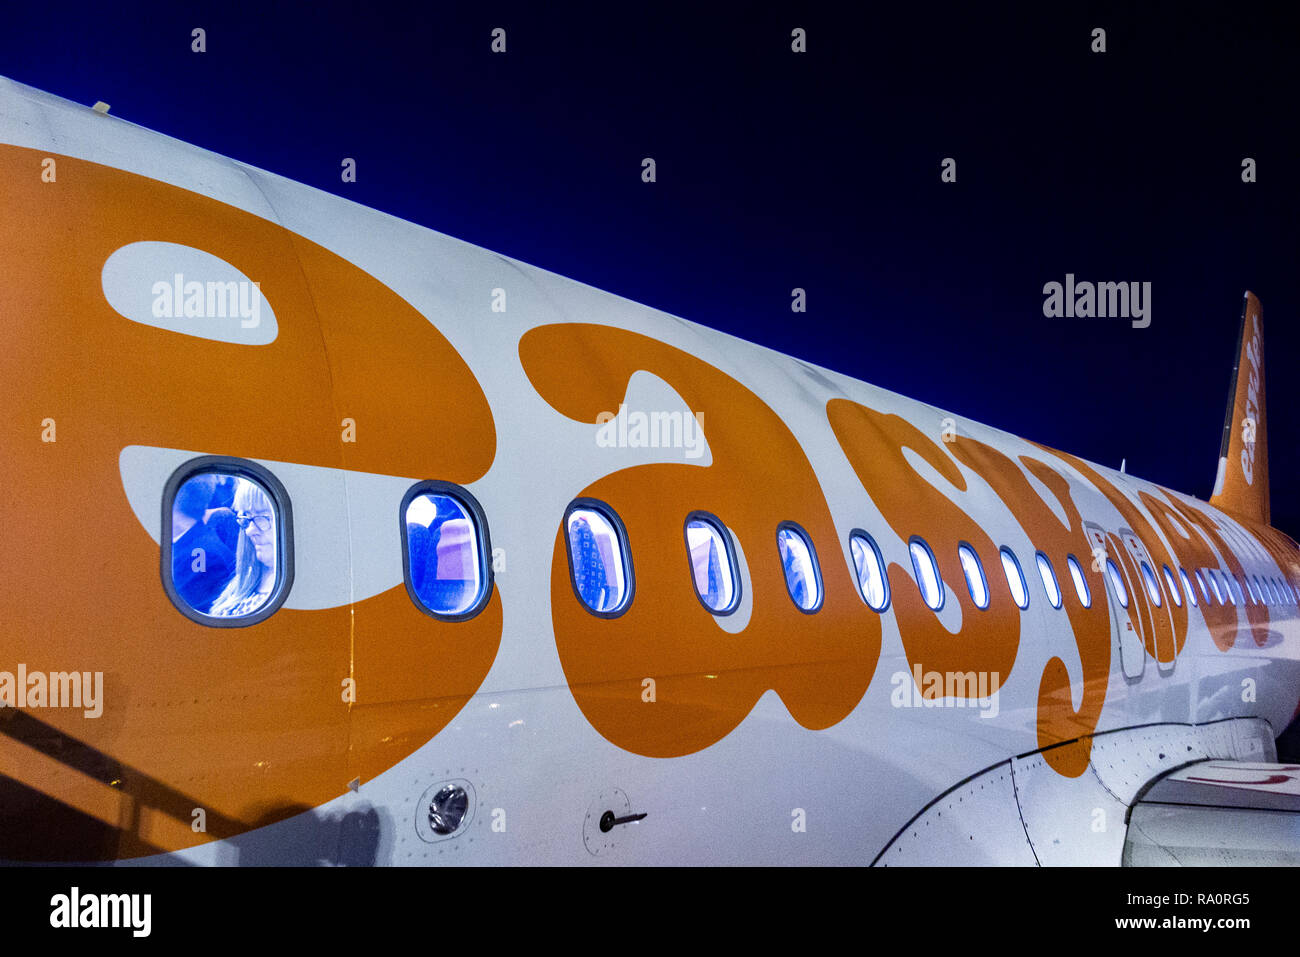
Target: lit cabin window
x,y
1117,582
713,564
1200,581
798,559
1174,593
1015,577
1080,583
446,557
1226,589
227,542
1048,575
1238,589
927,573
600,564
1153,587
974,571
871,570
1187,587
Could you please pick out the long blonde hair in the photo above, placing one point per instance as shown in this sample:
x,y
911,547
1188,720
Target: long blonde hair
x,y
249,570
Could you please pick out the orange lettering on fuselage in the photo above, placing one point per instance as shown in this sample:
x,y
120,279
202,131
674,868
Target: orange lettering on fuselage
x,y
1257,616
248,723
874,442
1057,719
706,680
1168,620
1194,553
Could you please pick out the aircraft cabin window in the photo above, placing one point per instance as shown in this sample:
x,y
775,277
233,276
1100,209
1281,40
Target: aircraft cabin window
x,y
713,563
445,552
1048,575
1225,587
927,573
1200,580
227,543
1117,582
803,578
975,580
1237,589
1015,577
1188,587
1080,583
1173,586
871,570
1153,587
600,562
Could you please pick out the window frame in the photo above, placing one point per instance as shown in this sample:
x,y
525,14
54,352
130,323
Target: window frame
x,y
816,564
729,545
1045,568
284,567
1020,571
979,566
1117,583
1171,585
938,575
625,550
1078,578
479,519
870,541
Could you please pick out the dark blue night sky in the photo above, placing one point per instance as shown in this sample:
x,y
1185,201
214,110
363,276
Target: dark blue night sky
x,y
819,170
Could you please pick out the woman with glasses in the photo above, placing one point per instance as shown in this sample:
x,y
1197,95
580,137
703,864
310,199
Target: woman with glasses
x,y
254,577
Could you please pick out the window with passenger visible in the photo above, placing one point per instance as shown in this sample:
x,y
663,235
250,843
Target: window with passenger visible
x,y
600,562
445,551
713,563
227,544
870,569
803,578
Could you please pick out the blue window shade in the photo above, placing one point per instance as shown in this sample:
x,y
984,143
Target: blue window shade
x,y
799,561
598,563
444,554
870,569
711,565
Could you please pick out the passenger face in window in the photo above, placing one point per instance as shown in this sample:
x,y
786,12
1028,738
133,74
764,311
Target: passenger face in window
x,y
255,553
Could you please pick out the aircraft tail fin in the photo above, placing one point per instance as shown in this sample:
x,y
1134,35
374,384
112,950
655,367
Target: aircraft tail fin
x,y
1241,485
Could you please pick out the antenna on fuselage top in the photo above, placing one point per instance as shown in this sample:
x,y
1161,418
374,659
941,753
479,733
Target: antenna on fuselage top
x,y
1122,464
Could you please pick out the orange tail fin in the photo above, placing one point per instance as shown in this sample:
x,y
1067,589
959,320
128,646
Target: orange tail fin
x,y
1241,485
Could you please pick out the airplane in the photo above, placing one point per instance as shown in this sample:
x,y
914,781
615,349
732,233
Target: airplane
x,y
335,540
